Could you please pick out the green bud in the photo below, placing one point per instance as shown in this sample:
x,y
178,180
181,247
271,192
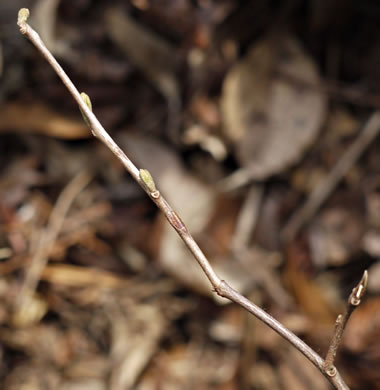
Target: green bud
x,y
147,178
23,16
87,100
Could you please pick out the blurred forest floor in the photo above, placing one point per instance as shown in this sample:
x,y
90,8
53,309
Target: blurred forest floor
x,y
258,120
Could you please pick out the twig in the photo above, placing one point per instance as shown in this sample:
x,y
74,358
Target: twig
x,y
245,255
340,324
322,192
247,218
50,235
146,182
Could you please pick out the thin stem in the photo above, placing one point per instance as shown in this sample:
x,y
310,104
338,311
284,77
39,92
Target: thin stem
x,y
50,234
352,303
220,286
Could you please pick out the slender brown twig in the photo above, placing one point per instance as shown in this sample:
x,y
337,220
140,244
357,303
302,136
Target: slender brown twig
x,y
145,180
49,236
352,303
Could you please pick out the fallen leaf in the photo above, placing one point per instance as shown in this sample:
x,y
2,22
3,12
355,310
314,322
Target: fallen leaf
x,y
134,343
272,106
37,118
73,276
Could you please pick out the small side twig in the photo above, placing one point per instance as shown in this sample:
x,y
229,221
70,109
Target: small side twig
x,y
340,324
146,181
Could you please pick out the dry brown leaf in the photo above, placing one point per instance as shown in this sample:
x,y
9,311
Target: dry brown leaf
x,y
33,375
192,363
30,312
134,342
43,342
228,327
84,384
88,366
310,296
361,340
272,107
37,118
74,276
362,333
264,376
335,235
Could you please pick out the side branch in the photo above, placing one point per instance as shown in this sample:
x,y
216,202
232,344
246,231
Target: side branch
x,y
341,322
145,180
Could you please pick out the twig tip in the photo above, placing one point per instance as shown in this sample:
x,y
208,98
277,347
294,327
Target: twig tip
x,y
359,291
364,280
23,15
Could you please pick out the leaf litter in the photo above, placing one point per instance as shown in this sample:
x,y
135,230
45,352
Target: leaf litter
x,y
120,303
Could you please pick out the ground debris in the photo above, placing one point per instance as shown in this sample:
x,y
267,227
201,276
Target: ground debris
x,y
225,103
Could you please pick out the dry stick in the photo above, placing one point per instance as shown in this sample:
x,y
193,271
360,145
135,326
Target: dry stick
x,y
245,225
323,191
50,235
247,218
352,303
146,182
